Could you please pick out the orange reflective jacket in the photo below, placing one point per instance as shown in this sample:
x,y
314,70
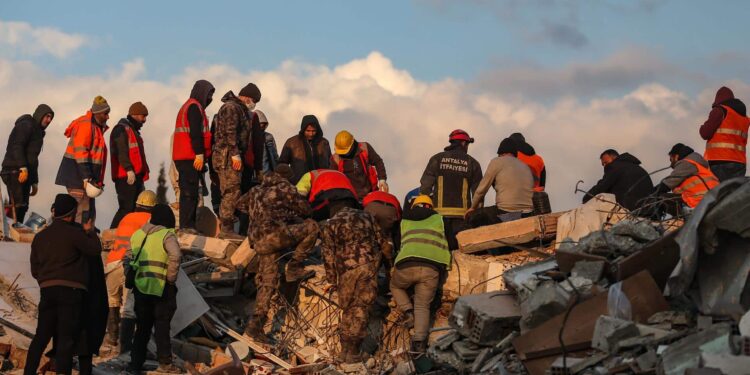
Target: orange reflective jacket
x,y
730,139
383,197
182,148
128,225
364,159
536,163
86,144
695,187
134,152
327,179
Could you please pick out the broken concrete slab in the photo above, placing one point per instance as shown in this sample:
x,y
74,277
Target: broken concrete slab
x,y
686,353
211,247
517,232
641,231
723,276
485,318
647,361
609,331
590,217
591,270
728,364
520,278
243,255
479,273
546,301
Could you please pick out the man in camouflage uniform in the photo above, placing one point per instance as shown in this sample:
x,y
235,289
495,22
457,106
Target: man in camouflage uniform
x,y
279,220
231,136
352,245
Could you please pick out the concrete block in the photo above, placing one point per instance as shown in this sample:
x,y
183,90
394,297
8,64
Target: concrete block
x,y
485,318
647,360
686,353
548,300
727,363
591,270
609,331
641,231
211,247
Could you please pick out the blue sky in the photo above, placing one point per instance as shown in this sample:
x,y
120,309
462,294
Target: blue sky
x,y
576,77
431,39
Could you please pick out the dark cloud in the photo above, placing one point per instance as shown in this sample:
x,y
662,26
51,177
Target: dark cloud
x,y
563,34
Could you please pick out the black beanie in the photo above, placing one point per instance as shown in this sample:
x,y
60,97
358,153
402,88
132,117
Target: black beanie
x,y
41,111
681,150
65,205
162,215
518,137
508,146
251,91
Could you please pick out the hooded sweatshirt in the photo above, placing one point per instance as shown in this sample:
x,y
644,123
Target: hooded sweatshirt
x,y
626,179
303,155
25,144
724,96
683,169
202,92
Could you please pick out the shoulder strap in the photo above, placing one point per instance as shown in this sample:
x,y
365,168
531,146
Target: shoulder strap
x,y
141,248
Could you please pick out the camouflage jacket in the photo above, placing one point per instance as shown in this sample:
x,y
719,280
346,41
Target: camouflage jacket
x,y
232,130
350,239
273,204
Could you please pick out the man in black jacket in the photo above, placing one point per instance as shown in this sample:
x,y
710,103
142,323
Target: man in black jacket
x,y
625,178
129,166
20,171
59,264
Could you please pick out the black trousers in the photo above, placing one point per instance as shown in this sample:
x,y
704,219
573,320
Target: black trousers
x,y
453,225
60,309
155,313
727,170
493,215
126,197
19,193
189,184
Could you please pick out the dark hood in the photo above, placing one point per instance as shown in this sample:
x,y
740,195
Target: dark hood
x,y
230,97
725,96
521,144
722,95
129,121
307,120
202,90
627,158
41,111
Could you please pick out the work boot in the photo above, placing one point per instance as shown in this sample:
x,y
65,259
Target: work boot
x,y
408,321
418,347
254,330
127,331
168,368
295,271
113,326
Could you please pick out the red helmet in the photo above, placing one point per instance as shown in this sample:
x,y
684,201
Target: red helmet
x,y
460,135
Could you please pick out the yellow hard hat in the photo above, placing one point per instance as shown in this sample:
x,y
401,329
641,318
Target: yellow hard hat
x,y
146,198
344,142
422,199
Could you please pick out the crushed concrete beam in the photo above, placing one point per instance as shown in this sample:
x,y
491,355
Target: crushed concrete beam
x,y
485,318
211,247
243,255
511,233
479,273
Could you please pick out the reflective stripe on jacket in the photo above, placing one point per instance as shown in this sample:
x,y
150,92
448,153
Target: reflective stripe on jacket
x,y
182,148
730,139
151,266
695,187
424,239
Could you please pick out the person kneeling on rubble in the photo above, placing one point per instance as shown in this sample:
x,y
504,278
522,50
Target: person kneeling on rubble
x,y
155,259
691,177
422,261
352,245
278,221
324,186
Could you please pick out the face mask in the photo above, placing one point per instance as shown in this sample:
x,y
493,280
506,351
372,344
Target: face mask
x,y
251,106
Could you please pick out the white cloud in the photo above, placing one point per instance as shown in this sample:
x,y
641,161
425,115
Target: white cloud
x,y
30,40
405,119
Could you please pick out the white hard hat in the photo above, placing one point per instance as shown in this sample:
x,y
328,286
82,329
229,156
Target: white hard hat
x,y
93,191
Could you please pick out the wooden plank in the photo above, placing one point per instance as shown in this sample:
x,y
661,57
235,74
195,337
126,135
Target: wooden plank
x,y
23,234
243,255
259,349
511,233
542,342
215,248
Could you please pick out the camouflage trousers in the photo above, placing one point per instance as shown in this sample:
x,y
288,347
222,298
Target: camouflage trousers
x,y
269,248
229,183
357,291
86,209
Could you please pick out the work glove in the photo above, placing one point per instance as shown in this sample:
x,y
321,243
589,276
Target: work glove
x,y
23,175
198,162
383,186
236,163
34,190
131,177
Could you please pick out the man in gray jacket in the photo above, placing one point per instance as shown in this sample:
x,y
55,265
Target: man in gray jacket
x,y
514,188
691,176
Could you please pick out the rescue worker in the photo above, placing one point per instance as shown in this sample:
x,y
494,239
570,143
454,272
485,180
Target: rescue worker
x,y
725,132
231,136
625,178
270,151
306,151
421,263
129,167
386,209
191,148
155,258
59,265
451,178
360,162
324,186
20,168
121,323
514,188
253,169
278,221
528,156
691,177
85,160
352,246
